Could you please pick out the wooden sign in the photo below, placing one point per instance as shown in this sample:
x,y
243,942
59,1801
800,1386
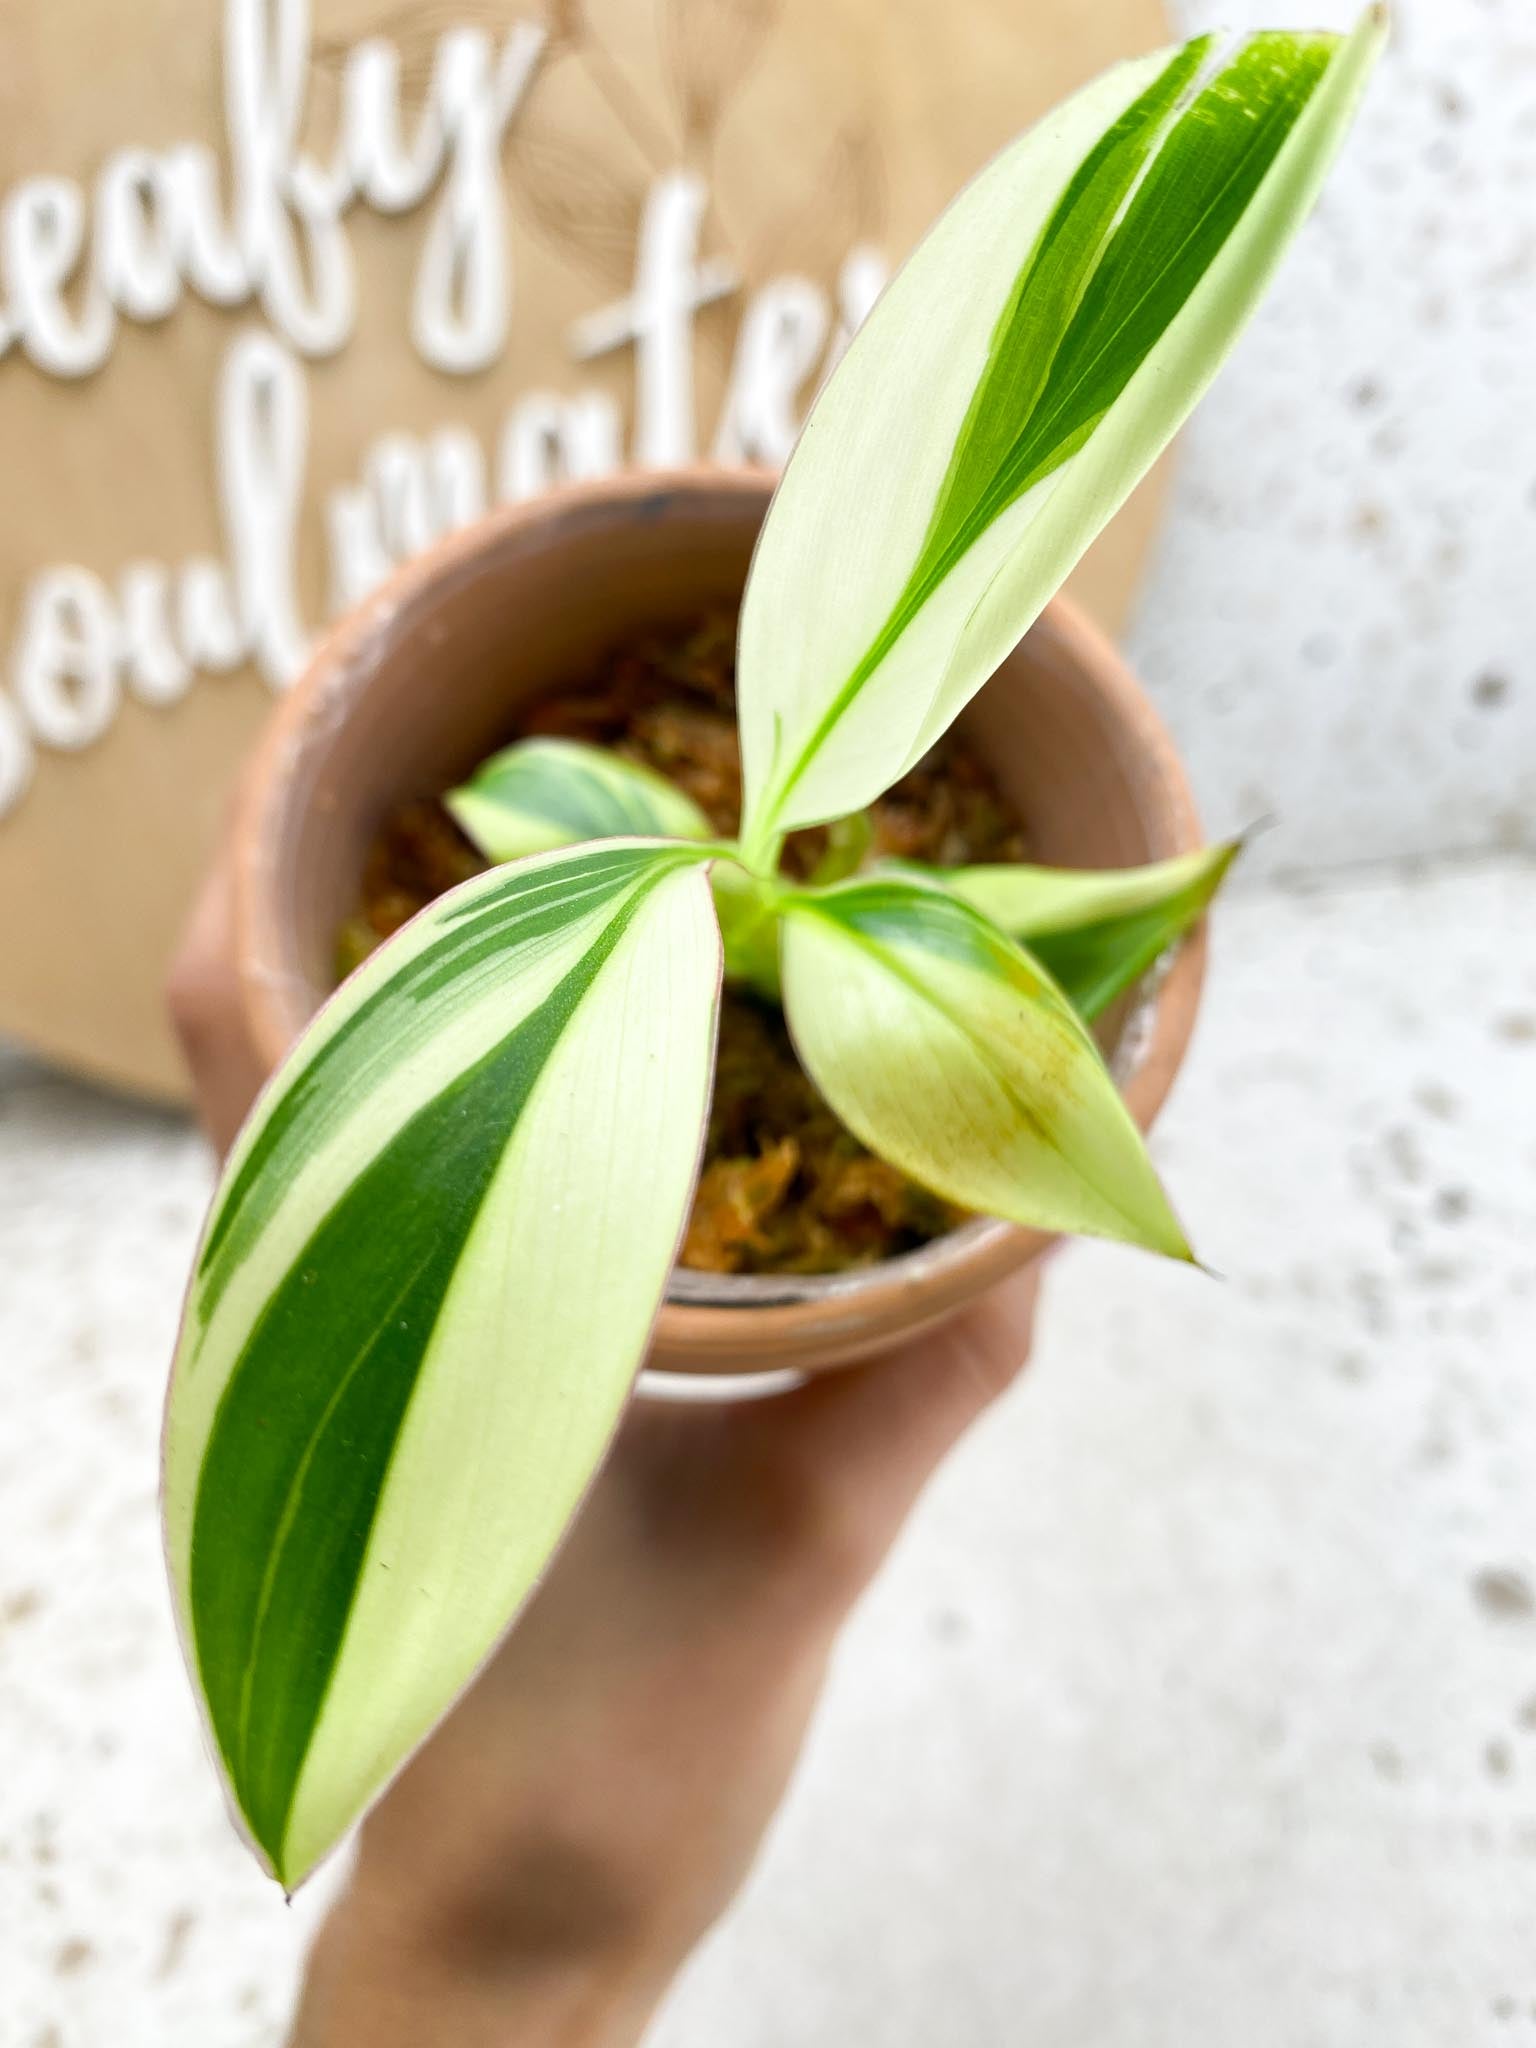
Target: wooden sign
x,y
287,292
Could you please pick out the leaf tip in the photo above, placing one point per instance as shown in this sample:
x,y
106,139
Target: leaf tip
x,y
1164,1235
1373,29
1267,821
1181,1251
290,1872
1224,857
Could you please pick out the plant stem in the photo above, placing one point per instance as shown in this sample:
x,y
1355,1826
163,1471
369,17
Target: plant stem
x,y
746,905
759,854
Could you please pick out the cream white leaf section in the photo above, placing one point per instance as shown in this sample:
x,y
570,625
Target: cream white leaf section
x,y
1028,901
857,499
426,1286
951,1054
430,1003
534,1354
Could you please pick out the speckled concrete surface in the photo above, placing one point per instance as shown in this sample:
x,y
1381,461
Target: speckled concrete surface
x,y
1199,1705
1342,622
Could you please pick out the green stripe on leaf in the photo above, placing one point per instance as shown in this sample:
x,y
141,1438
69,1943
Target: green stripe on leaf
x,y
999,441
407,988
1196,191
1016,423
412,1345
295,1465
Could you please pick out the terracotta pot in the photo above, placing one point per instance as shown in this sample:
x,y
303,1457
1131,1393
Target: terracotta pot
x,y
419,684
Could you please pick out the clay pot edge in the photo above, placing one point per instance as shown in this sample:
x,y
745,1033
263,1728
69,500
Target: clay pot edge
x,y
852,1312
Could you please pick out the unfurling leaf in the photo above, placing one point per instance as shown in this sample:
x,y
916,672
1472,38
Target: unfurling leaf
x,y
1020,375
949,1053
1097,933
425,1289
543,794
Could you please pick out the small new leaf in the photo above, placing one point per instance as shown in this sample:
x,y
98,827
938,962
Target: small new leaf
x,y
941,1044
425,1289
1097,933
543,794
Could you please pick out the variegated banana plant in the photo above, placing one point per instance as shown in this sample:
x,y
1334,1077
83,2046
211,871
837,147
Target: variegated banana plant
x,y
434,1259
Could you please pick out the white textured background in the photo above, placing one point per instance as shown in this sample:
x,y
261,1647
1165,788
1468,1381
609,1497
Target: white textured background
x,y
1199,1704
1342,624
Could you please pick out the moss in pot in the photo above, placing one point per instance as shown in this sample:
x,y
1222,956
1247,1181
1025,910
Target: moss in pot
x,y
785,1187
441,1240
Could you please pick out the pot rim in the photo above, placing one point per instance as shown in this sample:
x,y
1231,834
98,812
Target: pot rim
x,y
765,1311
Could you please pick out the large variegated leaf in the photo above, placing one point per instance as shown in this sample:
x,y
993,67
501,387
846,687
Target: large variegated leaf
x,y
944,1047
541,794
1018,377
426,1285
1097,933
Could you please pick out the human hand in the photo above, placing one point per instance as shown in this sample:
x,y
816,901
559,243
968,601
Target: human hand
x,y
545,1864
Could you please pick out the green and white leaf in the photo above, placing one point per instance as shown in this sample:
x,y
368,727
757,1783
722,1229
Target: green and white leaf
x,y
426,1285
1096,934
542,794
1021,373
941,1044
